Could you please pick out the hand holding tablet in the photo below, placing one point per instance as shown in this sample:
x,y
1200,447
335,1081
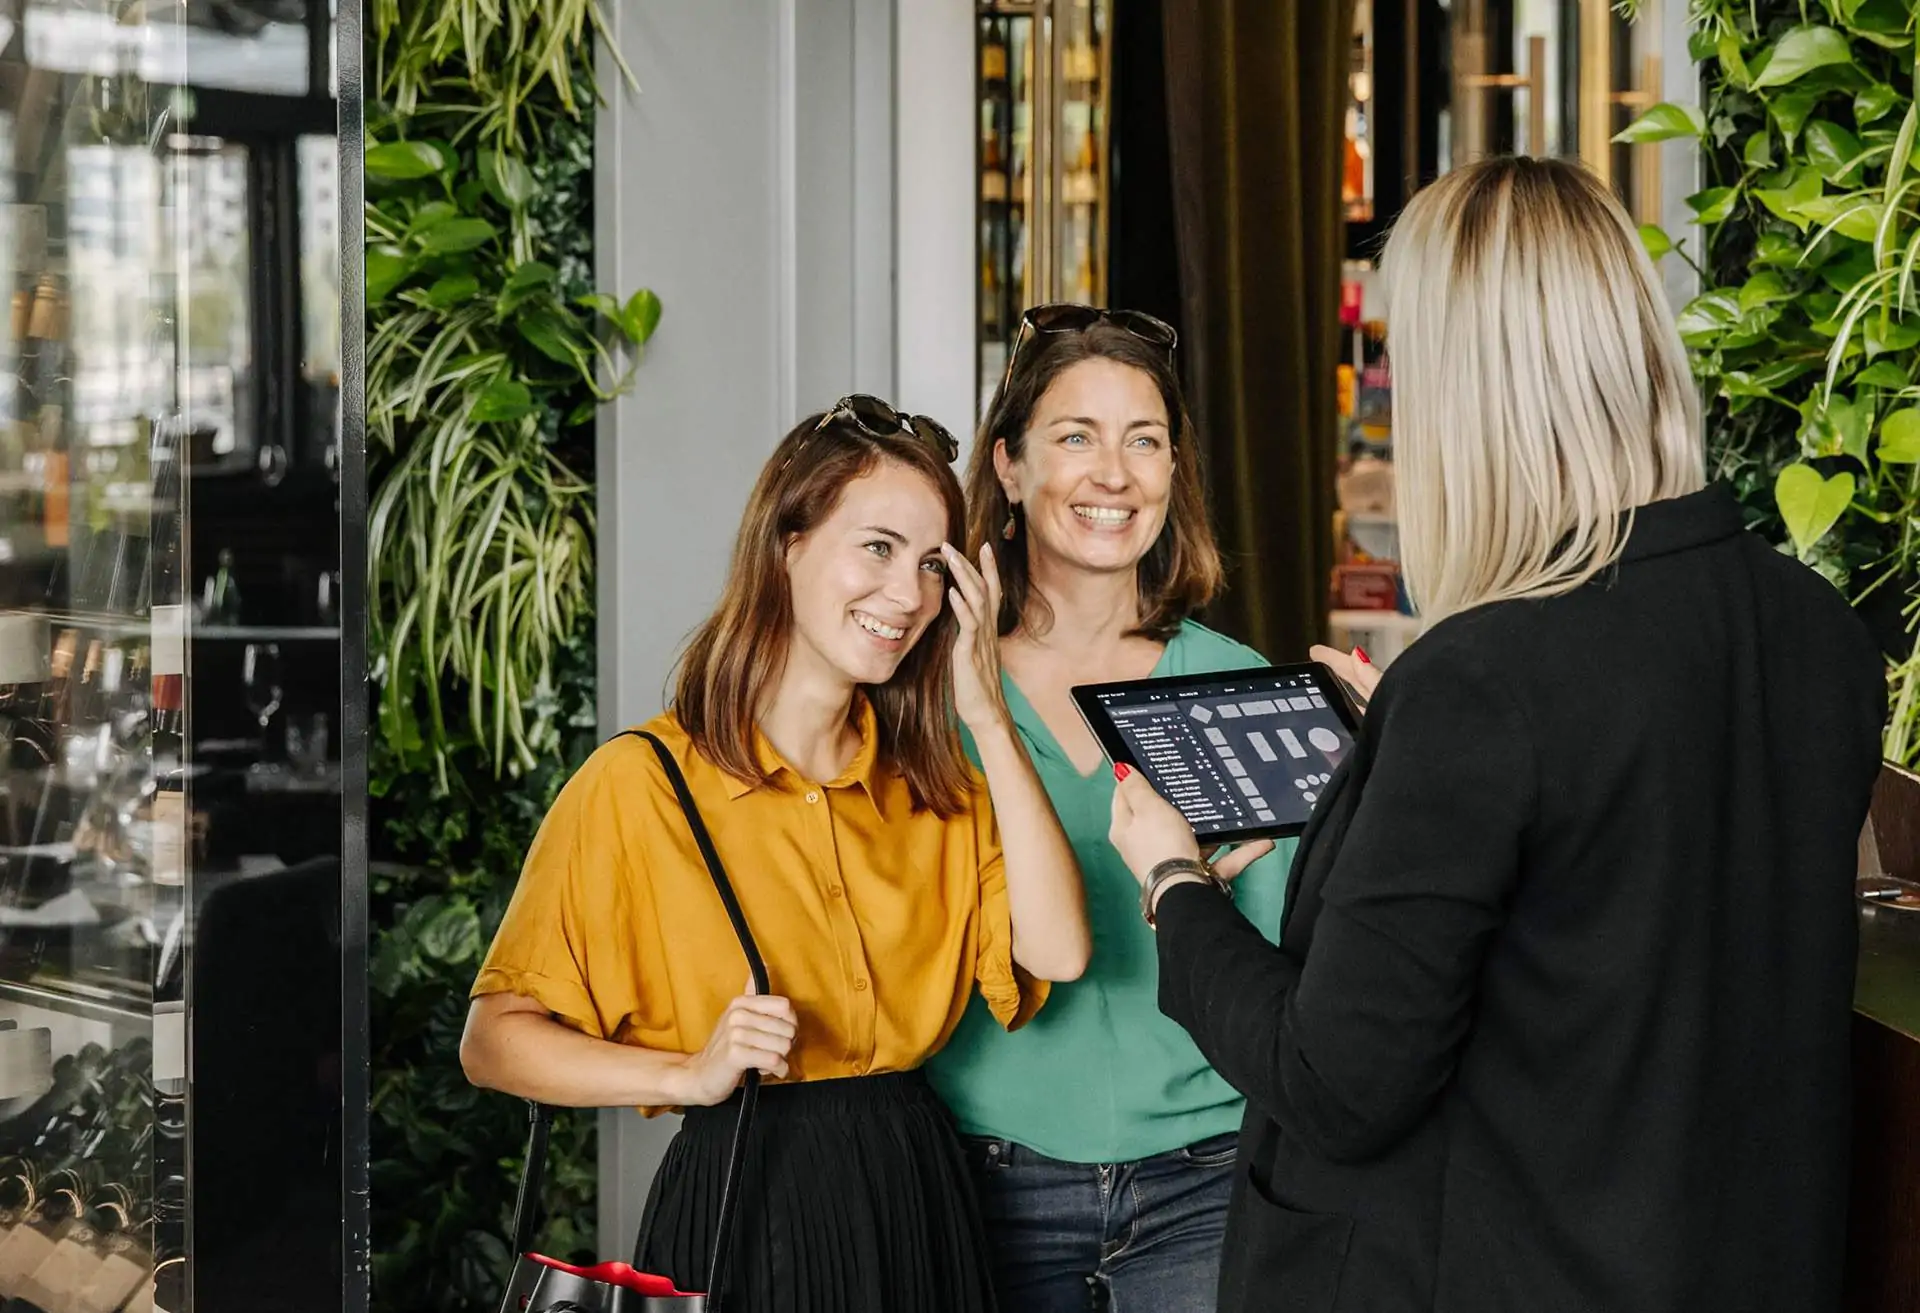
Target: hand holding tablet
x,y
1244,754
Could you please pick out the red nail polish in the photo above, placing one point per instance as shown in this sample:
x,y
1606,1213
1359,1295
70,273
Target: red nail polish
x,y
1121,770
1361,653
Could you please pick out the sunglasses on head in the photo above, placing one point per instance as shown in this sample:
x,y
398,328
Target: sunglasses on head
x,y
1067,317
877,419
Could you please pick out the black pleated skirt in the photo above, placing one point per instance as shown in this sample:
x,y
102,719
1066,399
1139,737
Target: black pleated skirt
x,y
856,1199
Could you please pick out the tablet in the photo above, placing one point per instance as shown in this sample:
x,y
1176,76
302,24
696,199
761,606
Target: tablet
x,y
1244,754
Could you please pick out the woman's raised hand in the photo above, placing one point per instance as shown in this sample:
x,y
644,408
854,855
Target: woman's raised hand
x,y
975,594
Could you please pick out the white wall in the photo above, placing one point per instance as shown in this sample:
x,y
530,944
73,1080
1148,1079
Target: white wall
x,y
934,211
749,183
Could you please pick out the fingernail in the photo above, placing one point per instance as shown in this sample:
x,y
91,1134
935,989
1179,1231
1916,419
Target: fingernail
x,y
1121,770
1361,654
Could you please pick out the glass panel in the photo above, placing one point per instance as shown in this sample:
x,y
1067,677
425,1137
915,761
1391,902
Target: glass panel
x,y
1080,28
170,801
95,829
1006,190
208,201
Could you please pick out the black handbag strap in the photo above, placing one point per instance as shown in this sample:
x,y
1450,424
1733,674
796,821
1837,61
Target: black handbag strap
x,y
540,1116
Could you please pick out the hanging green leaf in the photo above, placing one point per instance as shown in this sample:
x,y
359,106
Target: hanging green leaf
x,y
1833,150
640,316
1664,122
1882,374
1654,238
506,179
504,399
1714,204
1790,111
1798,53
387,267
404,161
1900,437
1758,152
453,235
1874,103
1809,504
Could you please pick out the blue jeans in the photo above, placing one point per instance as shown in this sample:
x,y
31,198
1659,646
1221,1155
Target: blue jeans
x,y
1138,1237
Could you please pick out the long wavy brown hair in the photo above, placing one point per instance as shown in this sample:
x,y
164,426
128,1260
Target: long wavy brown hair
x,y
1180,573
734,658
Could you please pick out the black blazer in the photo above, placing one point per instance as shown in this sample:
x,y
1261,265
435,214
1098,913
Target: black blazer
x,y
1559,1020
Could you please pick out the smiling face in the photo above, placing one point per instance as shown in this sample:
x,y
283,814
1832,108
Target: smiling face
x,y
868,579
1095,472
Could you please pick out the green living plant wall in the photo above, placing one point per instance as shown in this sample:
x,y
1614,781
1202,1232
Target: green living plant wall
x,y
489,350
1806,336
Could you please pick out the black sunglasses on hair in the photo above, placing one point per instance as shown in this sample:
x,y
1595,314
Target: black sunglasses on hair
x,y
877,419
1067,317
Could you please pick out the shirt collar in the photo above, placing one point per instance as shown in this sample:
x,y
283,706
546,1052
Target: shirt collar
x,y
1681,523
863,770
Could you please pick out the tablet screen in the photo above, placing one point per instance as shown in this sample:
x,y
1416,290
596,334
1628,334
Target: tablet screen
x,y
1242,754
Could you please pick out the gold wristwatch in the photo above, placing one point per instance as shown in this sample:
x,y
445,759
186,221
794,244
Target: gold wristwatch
x,y
1165,871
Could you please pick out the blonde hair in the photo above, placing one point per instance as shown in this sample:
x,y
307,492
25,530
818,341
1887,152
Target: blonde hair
x,y
1540,390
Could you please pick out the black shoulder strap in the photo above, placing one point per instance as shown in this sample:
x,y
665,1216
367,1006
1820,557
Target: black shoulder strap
x,y
750,1087
526,1208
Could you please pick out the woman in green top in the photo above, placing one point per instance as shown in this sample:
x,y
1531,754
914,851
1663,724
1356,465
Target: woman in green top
x,y
1102,1141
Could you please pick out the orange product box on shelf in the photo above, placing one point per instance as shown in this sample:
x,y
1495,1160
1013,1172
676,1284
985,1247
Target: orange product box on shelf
x,y
1366,586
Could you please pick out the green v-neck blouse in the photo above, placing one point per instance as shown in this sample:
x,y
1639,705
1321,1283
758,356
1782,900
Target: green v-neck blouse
x,y
1099,1076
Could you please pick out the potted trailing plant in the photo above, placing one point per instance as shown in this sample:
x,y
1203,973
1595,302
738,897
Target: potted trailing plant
x,y
1806,334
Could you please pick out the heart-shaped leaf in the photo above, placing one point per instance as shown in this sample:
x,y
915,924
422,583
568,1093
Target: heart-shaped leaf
x,y
1758,152
1764,288
1881,374
507,179
1834,151
1874,104
1801,189
1655,239
404,161
600,303
1790,111
452,235
1714,204
640,316
1664,122
1809,504
554,338
527,281
1900,437
1706,317
387,267
452,290
504,399
1798,53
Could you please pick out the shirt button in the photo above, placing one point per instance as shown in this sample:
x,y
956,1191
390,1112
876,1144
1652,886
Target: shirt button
x,y
813,797
860,985
834,891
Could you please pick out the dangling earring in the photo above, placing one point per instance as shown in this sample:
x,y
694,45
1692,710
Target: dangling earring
x,y
1013,525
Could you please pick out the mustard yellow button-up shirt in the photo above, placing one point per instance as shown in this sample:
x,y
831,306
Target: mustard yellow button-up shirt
x,y
876,919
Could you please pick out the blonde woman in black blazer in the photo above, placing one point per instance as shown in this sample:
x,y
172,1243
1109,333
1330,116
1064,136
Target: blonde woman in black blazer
x,y
1559,1018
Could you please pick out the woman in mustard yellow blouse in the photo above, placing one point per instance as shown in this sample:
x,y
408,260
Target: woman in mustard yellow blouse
x,y
814,721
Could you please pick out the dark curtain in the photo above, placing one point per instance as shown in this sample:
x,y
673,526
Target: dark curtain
x,y
1144,266
1255,98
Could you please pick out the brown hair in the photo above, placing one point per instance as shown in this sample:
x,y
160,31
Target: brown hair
x,y
1181,572
733,657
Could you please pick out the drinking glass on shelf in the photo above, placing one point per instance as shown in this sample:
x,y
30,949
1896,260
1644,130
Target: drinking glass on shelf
x,y
260,673
307,742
